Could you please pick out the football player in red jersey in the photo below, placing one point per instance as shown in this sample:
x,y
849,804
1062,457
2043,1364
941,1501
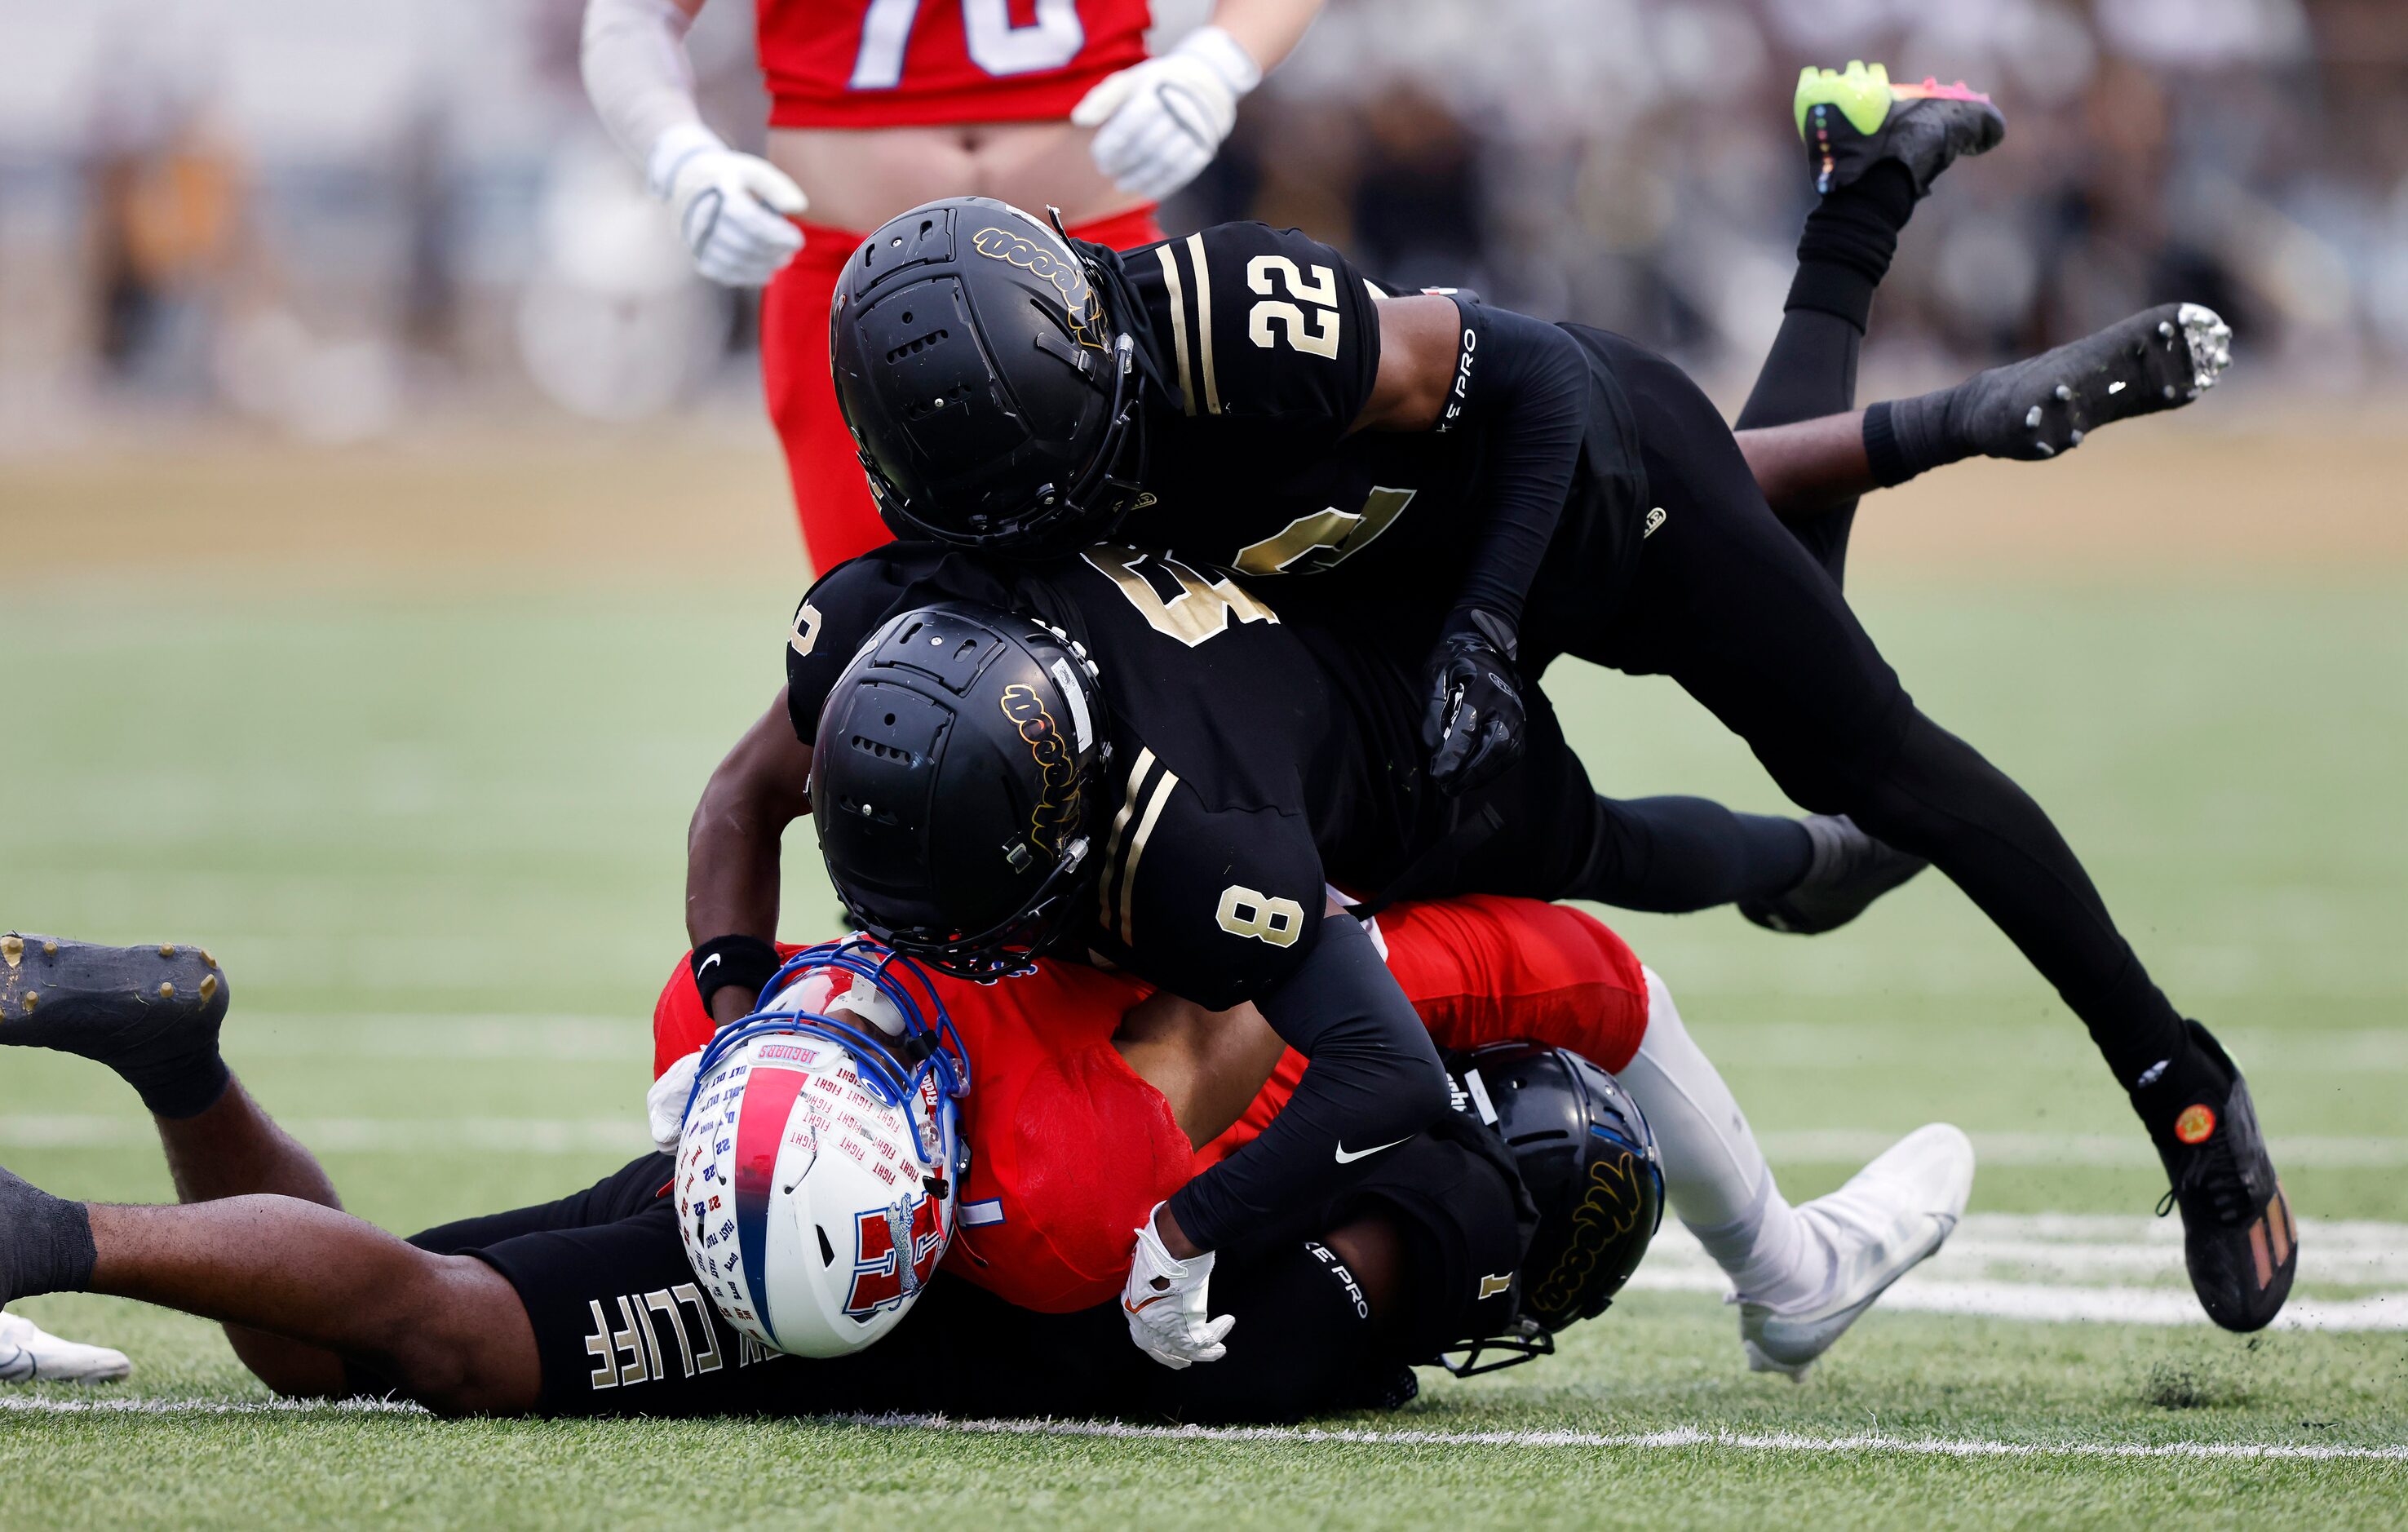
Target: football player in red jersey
x,y
506,1314
1092,1087
877,106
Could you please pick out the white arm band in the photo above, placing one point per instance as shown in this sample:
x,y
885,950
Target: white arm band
x,y
637,74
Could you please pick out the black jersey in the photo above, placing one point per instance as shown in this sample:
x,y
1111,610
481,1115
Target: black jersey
x,y
1255,757
1239,763
1272,339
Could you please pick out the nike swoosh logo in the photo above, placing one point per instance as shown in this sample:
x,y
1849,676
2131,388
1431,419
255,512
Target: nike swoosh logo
x,y
1345,1158
705,965
1140,1308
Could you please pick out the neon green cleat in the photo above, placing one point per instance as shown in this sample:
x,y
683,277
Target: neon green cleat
x,y
1854,118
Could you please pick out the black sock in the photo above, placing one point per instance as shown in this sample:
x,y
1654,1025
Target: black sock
x,y
1844,250
179,1088
1904,438
45,1241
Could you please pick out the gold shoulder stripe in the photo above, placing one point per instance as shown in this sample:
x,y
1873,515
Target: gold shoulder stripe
x,y
1178,321
1143,764
1203,319
1137,849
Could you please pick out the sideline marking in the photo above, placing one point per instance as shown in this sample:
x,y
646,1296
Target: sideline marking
x,y
1678,1436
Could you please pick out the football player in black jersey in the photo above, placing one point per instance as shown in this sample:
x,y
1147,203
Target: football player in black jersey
x,y
1494,492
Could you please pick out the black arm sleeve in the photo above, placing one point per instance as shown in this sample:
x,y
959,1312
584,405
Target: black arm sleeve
x,y
1371,1079
1523,384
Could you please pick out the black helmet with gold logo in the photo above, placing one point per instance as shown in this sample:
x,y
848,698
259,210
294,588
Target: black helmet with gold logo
x,y
954,785
991,399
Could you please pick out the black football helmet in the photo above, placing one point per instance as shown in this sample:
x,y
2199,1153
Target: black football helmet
x,y
1588,1158
989,394
955,783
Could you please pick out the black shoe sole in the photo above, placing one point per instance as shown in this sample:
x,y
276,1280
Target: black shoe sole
x,y
101,1001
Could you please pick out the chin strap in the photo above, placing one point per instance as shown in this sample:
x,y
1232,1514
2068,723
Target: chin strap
x,y
1123,307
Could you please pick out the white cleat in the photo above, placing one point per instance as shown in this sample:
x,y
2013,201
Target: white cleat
x,y
1892,1214
31,1355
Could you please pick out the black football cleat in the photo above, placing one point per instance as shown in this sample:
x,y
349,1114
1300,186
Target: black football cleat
x,y
2240,1240
1849,870
2161,358
151,1013
1854,118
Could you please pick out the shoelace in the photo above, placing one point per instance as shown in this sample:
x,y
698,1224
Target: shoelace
x,y
2211,1166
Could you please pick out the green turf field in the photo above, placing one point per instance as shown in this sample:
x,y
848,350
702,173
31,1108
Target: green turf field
x,y
437,843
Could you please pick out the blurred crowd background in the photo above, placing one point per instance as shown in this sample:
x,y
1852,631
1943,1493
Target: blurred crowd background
x,y
341,217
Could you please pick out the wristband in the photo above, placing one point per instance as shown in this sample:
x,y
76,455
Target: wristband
x,y
723,961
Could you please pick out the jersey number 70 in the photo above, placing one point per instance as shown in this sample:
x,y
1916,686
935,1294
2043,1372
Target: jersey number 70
x,y
995,45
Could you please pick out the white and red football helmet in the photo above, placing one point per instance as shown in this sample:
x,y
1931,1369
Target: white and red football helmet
x,y
820,1157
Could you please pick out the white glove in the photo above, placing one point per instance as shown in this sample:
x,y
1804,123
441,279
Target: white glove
x,y
664,1103
1163,119
732,209
1164,1302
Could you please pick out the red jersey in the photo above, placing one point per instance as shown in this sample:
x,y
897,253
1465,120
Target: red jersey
x,y
875,63
1070,1150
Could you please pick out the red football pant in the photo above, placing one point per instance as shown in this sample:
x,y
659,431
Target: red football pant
x,y
840,520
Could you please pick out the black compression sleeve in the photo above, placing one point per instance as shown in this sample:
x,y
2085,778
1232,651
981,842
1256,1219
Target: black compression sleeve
x,y
1524,383
1371,1079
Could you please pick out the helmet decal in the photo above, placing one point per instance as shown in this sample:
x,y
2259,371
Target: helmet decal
x,y
768,1102
1056,813
1067,277
1610,1206
915,1224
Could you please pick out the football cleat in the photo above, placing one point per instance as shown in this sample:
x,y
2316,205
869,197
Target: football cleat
x,y
1848,871
2240,1241
1890,1216
150,1013
31,1355
1854,118
2161,358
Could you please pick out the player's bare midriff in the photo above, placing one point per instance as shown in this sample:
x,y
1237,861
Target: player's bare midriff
x,y
858,178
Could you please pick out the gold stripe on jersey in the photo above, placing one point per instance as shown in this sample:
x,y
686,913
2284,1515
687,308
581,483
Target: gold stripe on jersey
x,y
1203,319
1120,827
1178,321
1161,795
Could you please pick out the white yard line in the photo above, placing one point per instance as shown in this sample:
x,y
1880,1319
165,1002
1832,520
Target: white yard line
x,y
1682,1437
2081,1151
32,1130
1679,1437
2047,1267
358,1135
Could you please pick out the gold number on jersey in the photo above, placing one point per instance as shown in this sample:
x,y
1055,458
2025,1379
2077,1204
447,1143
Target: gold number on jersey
x,y
1326,538
1321,339
1246,913
1173,597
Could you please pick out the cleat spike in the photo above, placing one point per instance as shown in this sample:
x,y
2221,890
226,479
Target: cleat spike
x,y
167,990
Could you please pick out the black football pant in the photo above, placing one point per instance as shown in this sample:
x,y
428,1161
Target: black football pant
x,y
1672,855
1749,619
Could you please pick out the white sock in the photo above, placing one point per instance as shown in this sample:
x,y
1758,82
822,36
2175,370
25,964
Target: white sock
x,y
1714,1175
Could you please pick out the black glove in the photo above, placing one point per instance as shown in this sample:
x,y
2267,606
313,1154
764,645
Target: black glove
x,y
1472,730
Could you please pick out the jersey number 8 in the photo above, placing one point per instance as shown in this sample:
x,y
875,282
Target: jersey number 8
x,y
1321,292
1245,912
